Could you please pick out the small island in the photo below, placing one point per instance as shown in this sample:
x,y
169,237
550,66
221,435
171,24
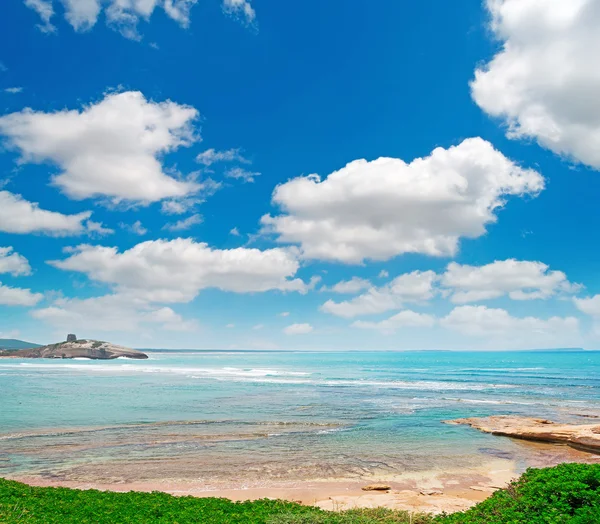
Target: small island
x,y
76,348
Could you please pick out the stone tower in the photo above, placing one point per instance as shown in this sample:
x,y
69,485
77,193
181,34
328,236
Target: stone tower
x,y
71,338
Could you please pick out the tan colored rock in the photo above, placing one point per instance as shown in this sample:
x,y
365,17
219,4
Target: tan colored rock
x,y
431,492
92,349
581,436
376,487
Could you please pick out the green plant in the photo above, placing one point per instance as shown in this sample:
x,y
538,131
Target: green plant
x,y
566,494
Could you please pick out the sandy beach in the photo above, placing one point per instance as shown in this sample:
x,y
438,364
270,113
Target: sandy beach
x,y
434,492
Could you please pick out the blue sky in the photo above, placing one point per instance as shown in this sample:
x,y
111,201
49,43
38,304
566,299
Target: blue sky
x,y
158,171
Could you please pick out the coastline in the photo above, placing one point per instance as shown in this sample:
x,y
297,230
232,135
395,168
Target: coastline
x,y
428,491
447,489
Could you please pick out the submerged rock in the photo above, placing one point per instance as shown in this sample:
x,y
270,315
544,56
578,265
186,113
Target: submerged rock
x,y
92,349
581,436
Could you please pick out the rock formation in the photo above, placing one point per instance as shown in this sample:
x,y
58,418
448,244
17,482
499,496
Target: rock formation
x,y
581,436
93,349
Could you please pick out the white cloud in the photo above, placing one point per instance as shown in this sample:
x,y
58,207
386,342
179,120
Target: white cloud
x,y
109,149
13,296
417,286
97,229
176,270
480,321
136,228
18,215
284,314
125,15
401,320
520,280
298,329
13,90
212,156
240,173
258,327
354,285
377,210
230,326
544,82
383,274
235,232
110,313
589,306
186,223
240,7
45,11
179,206
13,263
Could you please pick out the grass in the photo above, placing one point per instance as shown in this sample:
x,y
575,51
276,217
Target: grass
x,y
565,494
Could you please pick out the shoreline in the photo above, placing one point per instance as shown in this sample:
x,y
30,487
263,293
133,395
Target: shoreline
x,y
429,491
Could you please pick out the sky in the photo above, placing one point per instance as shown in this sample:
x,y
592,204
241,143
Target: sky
x,y
258,174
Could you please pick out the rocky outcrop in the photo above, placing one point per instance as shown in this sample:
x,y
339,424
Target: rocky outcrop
x,y
376,487
581,436
92,349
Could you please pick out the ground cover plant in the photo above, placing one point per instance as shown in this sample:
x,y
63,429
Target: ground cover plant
x,y
565,494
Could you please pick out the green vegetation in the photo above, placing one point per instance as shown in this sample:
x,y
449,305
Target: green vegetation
x,y
566,494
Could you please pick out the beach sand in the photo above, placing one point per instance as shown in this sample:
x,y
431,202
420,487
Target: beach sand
x,y
429,491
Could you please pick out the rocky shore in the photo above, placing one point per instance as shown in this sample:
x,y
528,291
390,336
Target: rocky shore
x,y
580,436
92,349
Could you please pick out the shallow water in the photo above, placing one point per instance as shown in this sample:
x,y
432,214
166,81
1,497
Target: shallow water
x,y
255,417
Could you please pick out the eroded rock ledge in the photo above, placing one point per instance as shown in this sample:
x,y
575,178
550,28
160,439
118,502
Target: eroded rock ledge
x,y
92,349
580,436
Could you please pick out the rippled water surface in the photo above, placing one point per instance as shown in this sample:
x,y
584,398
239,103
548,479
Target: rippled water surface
x,y
261,416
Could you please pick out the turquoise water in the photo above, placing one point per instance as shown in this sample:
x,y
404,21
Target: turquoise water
x,y
264,416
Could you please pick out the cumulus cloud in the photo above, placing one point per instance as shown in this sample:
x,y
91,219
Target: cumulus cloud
x,y
186,223
110,313
377,210
417,286
520,280
14,296
349,287
136,228
18,215
480,321
13,263
125,15
108,149
212,156
401,320
241,8
544,82
45,11
179,206
590,306
176,270
298,329
13,90
242,174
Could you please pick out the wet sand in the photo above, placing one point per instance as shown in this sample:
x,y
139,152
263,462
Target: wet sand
x,y
428,491
419,492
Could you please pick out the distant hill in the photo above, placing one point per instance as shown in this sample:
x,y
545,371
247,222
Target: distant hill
x,y
11,343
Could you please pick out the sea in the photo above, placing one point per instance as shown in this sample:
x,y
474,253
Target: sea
x,y
234,418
